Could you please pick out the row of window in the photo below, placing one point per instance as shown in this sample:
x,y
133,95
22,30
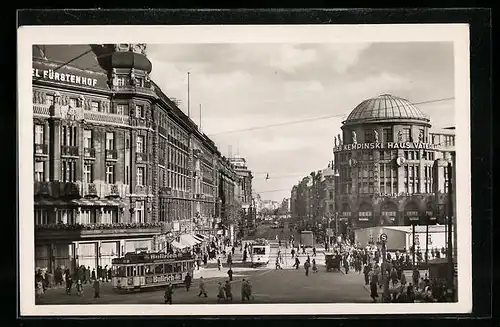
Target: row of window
x,y
175,209
87,215
118,109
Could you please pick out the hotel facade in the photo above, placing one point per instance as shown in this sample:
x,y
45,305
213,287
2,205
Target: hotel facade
x,y
390,166
118,167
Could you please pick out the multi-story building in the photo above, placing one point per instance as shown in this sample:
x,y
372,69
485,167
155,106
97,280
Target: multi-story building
x,y
116,162
388,161
245,182
312,200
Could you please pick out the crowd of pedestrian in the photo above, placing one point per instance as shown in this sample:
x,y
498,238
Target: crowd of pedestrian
x,y
64,277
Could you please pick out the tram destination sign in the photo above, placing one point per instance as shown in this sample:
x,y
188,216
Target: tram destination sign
x,y
386,145
167,278
149,257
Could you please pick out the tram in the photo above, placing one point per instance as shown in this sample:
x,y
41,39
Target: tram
x,y
139,271
259,252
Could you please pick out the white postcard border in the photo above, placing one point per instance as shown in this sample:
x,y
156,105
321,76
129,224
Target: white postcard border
x,y
30,35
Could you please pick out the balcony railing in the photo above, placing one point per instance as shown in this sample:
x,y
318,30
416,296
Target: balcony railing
x,y
69,150
89,152
111,155
102,190
141,157
134,89
41,149
91,190
41,109
102,117
142,189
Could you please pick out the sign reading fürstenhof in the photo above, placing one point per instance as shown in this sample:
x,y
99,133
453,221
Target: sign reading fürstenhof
x,y
63,77
386,145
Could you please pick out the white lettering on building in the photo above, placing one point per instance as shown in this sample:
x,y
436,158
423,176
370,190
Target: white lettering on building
x,y
62,77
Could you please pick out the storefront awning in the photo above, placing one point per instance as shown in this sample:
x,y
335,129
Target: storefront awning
x,y
178,245
51,202
188,240
79,203
97,203
199,238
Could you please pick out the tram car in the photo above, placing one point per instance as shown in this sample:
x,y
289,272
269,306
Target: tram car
x,y
140,271
260,251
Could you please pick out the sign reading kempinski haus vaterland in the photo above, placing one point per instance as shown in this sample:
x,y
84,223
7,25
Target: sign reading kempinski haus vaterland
x,y
386,145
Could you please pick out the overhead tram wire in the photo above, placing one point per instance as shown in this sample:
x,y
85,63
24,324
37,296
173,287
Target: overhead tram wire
x,y
135,146
314,119
70,61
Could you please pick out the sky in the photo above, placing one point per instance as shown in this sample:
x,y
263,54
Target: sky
x,y
242,86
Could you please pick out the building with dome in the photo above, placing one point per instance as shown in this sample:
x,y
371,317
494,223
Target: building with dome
x,y
391,166
116,162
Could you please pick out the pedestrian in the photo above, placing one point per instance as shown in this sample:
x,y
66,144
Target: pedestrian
x,y
366,271
39,288
403,279
221,295
373,286
69,282
314,266
314,251
244,290
169,291
93,274
219,263
394,276
97,288
306,267
79,288
227,289
293,253
230,274
278,266
303,249
297,263
187,281
202,287
87,275
232,250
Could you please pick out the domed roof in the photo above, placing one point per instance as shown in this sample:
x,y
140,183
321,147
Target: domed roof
x,y
385,107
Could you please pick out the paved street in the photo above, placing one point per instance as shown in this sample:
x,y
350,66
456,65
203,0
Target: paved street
x,y
269,285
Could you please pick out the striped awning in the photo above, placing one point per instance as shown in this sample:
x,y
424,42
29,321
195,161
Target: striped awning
x,y
97,203
198,238
79,203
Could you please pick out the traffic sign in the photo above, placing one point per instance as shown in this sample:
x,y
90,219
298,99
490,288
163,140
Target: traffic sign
x,y
329,232
383,237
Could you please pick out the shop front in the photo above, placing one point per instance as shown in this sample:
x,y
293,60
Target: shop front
x,y
388,214
411,214
50,256
365,216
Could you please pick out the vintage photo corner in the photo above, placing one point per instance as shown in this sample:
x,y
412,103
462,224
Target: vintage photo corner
x,y
234,173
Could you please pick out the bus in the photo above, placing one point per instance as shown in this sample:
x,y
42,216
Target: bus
x,y
139,271
259,252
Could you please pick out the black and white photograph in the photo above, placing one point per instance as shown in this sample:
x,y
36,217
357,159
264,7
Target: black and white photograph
x,y
244,170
